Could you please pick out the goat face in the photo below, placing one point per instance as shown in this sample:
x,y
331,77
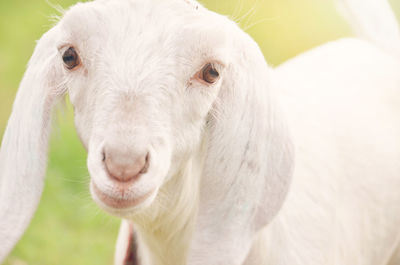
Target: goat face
x,y
171,101
142,84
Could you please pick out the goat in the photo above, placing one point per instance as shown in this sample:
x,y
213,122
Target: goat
x,y
191,136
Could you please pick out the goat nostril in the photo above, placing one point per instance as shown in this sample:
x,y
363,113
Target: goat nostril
x,y
124,168
146,165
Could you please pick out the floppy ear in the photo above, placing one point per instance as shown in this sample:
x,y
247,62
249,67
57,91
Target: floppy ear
x,y
24,146
249,162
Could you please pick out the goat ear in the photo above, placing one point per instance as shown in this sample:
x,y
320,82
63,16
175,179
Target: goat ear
x,y
24,146
249,161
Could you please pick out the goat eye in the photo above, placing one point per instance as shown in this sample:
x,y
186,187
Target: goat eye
x,y
209,74
71,58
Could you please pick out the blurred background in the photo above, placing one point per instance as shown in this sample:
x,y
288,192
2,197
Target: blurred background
x,y
68,228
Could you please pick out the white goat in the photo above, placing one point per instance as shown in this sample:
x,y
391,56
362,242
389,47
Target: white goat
x,y
178,111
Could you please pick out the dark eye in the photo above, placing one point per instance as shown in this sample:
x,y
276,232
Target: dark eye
x,y
71,58
209,74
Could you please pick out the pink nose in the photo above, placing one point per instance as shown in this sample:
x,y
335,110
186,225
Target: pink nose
x,y
123,165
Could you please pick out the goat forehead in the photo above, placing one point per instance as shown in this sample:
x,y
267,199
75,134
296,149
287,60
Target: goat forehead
x,y
93,16
142,44
125,20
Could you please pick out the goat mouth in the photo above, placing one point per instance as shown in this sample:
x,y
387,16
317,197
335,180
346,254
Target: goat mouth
x,y
120,203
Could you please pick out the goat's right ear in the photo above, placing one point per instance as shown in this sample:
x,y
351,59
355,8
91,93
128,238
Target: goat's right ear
x,y
23,154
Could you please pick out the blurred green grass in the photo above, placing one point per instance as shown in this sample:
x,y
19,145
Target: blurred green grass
x,y
68,228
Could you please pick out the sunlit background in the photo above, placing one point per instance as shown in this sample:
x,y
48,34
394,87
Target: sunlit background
x,y
68,228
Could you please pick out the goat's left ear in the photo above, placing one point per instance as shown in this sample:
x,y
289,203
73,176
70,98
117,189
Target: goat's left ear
x,y
24,146
249,162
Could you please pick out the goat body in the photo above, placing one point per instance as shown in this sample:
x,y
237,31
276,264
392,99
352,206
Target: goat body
x,y
343,206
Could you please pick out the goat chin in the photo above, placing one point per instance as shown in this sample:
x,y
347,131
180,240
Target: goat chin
x,y
164,230
175,101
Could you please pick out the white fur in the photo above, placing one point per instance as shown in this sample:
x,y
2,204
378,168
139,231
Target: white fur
x,y
122,242
344,204
374,21
222,157
24,147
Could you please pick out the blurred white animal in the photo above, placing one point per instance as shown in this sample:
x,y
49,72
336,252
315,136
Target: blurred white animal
x,y
184,125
